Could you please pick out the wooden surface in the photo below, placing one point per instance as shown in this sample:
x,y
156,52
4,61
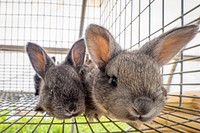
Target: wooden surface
x,y
179,119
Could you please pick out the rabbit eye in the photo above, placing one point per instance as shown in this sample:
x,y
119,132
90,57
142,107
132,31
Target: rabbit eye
x,y
55,87
113,80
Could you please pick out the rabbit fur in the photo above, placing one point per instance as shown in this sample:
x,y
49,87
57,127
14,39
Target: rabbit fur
x,y
127,85
62,94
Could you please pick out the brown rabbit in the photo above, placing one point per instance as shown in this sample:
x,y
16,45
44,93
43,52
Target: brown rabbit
x,y
128,85
62,94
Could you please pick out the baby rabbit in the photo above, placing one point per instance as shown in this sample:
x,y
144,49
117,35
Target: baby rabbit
x,y
62,94
38,80
128,85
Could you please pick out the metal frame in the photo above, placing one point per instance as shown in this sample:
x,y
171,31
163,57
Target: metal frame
x,y
17,108
13,48
82,18
21,106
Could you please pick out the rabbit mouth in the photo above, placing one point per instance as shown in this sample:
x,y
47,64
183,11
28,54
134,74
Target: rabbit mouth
x,y
141,118
145,119
69,115
132,118
65,116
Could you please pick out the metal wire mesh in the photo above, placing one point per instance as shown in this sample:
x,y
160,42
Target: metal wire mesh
x,y
56,24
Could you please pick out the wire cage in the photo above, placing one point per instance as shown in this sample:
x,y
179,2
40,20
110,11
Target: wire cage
x,y
56,24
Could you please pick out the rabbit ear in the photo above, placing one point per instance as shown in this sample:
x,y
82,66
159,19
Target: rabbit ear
x,y
167,45
53,59
101,45
76,54
40,61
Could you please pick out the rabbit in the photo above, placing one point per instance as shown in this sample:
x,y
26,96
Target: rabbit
x,y
38,80
62,94
86,74
127,85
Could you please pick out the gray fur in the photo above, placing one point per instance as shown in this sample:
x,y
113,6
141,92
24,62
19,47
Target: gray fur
x,y
62,94
128,85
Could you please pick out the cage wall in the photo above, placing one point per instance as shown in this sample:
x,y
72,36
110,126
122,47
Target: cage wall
x,y
51,24
56,24
133,23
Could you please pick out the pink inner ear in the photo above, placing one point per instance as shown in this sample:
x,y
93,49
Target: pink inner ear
x,y
172,44
99,46
169,49
40,63
76,55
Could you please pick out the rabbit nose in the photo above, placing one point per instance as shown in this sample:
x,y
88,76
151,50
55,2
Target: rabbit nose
x,y
72,108
143,105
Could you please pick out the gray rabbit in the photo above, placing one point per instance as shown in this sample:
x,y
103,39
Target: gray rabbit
x,y
62,94
127,85
38,80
